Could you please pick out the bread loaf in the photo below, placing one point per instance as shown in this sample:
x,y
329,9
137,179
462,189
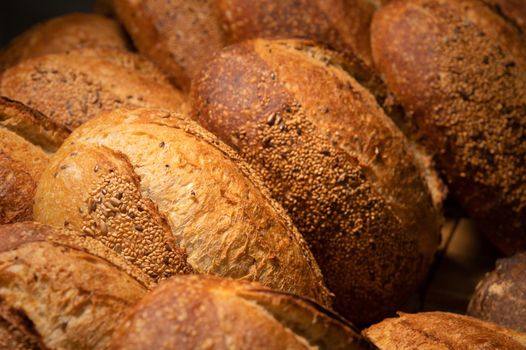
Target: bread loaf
x,y
59,291
27,139
459,70
176,182
73,87
333,159
501,296
440,331
180,36
60,34
202,312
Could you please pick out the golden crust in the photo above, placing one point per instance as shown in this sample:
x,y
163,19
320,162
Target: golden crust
x,y
73,87
207,312
333,159
60,34
459,71
211,200
73,298
17,189
501,296
441,331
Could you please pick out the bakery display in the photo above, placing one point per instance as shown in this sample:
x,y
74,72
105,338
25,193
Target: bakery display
x,y
500,297
27,139
58,291
459,70
61,34
180,36
197,312
177,183
442,330
73,87
329,154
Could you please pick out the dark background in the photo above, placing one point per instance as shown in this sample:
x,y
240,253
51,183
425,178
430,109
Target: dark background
x,y
18,15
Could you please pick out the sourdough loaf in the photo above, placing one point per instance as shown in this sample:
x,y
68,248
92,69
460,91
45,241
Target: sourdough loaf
x,y
60,291
73,87
202,312
500,297
135,176
331,156
27,139
441,331
459,70
60,34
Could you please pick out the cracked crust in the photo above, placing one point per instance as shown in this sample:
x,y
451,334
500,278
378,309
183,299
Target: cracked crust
x,y
61,34
66,292
212,201
442,331
333,159
458,68
207,312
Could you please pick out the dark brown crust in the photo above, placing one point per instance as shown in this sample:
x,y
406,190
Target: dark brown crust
x,y
60,34
459,70
17,189
501,296
178,35
202,312
73,87
372,251
16,330
513,10
441,330
342,24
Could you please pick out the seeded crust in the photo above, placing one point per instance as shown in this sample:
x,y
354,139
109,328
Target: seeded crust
x,y
212,202
178,35
198,312
501,296
334,160
442,331
513,10
60,34
59,291
459,71
73,87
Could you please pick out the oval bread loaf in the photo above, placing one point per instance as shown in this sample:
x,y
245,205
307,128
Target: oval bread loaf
x,y
441,331
64,33
73,87
333,159
27,139
501,296
133,176
59,291
197,312
459,70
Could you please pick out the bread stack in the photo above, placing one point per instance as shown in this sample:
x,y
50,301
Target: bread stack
x,y
264,168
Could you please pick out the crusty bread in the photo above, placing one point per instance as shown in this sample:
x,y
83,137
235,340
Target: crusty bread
x,y
60,34
187,183
442,331
60,291
203,312
459,69
501,296
73,87
333,159
513,11
27,138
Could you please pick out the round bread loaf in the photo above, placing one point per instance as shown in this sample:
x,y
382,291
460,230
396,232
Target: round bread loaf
x,y
333,159
180,35
60,34
501,296
513,11
459,70
130,177
73,87
441,331
27,139
202,312
59,291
